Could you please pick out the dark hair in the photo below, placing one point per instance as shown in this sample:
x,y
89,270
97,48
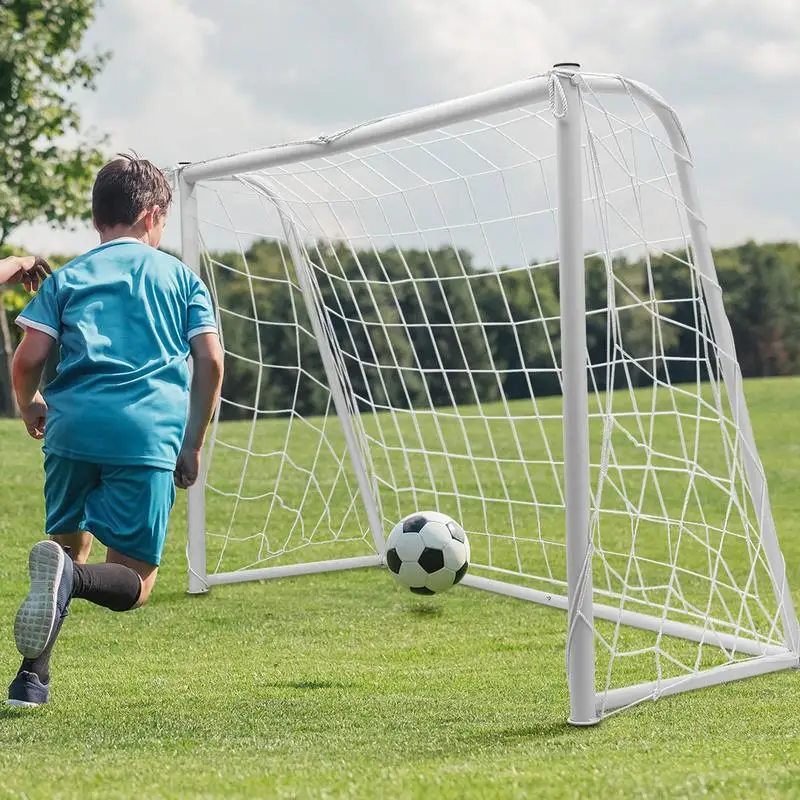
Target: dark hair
x,y
124,188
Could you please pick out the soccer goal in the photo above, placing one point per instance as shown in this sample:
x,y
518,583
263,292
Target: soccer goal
x,y
504,308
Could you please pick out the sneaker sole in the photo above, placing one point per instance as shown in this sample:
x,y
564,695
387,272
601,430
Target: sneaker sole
x,y
22,704
37,614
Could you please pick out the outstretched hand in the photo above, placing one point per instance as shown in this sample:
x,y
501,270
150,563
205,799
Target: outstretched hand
x,y
187,468
30,271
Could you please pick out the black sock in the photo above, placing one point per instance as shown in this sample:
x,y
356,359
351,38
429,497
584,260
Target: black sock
x,y
41,664
113,586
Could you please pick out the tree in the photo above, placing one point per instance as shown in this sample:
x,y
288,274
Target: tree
x,y
762,282
46,163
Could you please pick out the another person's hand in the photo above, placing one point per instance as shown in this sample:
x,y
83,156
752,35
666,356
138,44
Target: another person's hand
x,y
34,416
188,468
30,271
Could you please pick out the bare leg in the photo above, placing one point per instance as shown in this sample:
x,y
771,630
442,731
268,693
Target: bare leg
x,y
147,572
80,544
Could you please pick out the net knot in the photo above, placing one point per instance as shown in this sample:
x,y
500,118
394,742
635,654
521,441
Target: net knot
x,y
558,97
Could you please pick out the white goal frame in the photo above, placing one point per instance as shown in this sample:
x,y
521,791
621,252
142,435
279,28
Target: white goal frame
x,y
561,86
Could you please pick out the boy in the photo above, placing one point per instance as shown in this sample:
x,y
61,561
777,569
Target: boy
x,y
117,441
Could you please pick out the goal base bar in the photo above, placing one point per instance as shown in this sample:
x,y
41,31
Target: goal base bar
x,y
629,695
681,630
291,570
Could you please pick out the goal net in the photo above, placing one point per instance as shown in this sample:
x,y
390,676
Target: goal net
x,y
392,308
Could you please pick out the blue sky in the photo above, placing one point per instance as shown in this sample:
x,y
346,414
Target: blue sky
x,y
193,79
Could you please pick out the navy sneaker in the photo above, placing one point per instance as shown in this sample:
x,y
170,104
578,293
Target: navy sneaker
x,y
48,599
27,691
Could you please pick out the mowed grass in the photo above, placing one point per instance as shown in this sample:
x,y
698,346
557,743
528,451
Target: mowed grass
x,y
343,685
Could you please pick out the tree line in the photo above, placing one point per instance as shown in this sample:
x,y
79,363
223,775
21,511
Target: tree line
x,y
411,334
457,334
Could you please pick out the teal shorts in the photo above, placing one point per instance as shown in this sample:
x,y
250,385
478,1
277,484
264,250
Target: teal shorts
x,y
126,508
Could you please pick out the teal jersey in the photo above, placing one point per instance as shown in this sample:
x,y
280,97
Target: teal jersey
x,y
123,315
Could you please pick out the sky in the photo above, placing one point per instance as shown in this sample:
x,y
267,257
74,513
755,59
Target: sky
x,y
195,79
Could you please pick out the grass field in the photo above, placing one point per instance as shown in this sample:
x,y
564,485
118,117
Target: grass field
x,y
343,685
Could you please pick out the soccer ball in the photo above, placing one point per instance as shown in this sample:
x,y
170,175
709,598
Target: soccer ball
x,y
427,552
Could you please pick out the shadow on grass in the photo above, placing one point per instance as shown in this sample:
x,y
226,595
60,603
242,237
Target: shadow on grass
x,y
306,685
167,595
535,731
425,609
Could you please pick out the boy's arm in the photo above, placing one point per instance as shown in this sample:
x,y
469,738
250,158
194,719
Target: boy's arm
x,y
28,270
27,368
207,371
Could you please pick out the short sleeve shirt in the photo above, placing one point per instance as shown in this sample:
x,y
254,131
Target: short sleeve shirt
x,y
123,315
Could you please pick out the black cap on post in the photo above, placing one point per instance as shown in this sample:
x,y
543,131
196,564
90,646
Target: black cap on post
x,y
572,64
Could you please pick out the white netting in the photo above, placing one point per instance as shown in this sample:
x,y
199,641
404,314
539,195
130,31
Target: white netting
x,y
433,259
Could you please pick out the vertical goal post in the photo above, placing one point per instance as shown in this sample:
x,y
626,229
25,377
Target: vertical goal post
x,y
196,512
338,206
572,291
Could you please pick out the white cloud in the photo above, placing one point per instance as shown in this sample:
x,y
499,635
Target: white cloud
x,y
473,44
774,59
180,104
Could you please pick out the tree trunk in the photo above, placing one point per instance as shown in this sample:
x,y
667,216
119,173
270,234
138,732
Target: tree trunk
x,y
8,402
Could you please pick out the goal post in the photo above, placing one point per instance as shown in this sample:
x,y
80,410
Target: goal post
x,y
503,307
572,295
196,513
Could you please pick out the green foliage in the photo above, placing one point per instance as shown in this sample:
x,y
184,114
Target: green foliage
x,y
762,283
14,300
46,173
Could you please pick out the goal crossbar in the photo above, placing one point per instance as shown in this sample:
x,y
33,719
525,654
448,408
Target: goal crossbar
x,y
533,90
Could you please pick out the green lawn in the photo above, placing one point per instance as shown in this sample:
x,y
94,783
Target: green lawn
x,y
344,685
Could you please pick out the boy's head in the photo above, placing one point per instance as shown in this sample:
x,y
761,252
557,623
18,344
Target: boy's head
x,y
131,197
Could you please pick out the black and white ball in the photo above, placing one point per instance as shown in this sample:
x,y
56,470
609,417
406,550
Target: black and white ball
x,y
427,552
